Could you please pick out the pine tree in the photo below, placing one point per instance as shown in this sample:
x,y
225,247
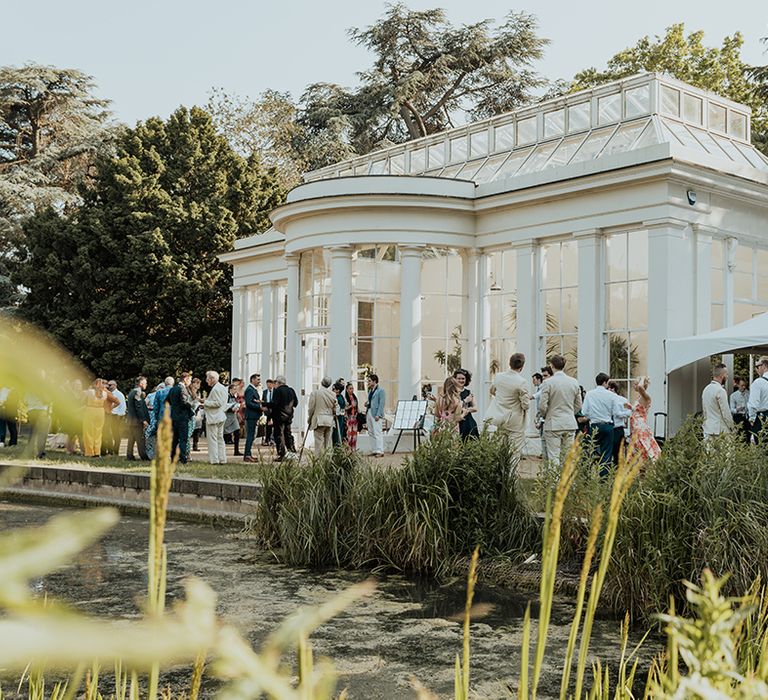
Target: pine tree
x,y
132,283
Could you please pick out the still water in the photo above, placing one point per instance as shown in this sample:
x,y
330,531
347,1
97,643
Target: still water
x,y
407,628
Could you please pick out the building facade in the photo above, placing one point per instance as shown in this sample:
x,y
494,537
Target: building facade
x,y
594,226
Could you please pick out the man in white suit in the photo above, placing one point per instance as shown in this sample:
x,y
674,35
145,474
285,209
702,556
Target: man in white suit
x,y
559,402
714,404
512,399
215,415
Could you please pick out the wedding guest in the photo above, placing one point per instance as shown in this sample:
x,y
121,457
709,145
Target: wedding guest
x,y
253,412
215,414
512,398
559,403
96,399
468,425
374,417
321,414
350,414
738,402
714,404
284,402
9,409
641,440
449,408
232,427
113,421
266,399
75,423
180,402
39,417
339,426
137,419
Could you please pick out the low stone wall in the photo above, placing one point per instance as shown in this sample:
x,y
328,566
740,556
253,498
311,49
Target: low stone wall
x,y
209,500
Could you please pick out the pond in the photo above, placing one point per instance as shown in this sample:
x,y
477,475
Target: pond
x,y
407,628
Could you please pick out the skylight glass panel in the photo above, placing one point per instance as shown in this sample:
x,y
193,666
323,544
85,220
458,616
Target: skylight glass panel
x,y
362,168
624,137
347,172
504,137
647,138
737,125
526,131
397,164
685,136
578,117
379,167
434,173
592,145
693,108
538,158
458,149
478,143
637,101
436,155
716,117
513,163
709,143
670,101
489,168
753,157
469,170
609,109
568,146
418,160
668,134
451,170
731,150
554,123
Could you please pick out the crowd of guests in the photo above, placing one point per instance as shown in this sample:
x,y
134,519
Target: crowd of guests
x,y
745,410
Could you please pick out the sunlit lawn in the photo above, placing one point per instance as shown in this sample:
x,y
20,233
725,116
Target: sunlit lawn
x,y
235,469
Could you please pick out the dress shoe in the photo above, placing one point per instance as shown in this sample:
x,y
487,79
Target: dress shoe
x,y
248,459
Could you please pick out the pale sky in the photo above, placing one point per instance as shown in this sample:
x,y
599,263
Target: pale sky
x,y
150,57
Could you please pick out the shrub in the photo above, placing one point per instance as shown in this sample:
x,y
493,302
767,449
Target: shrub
x,y
447,498
700,506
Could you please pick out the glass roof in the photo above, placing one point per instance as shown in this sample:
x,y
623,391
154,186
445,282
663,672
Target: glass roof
x,y
626,115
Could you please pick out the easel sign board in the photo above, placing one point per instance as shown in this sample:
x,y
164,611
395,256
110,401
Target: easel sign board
x,y
409,414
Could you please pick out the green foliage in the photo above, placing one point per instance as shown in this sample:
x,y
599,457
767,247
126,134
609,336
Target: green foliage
x,y
426,71
132,283
719,70
448,498
50,127
700,506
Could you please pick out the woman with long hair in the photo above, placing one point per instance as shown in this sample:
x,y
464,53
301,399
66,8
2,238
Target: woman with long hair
x,y
350,414
97,400
449,408
467,425
641,439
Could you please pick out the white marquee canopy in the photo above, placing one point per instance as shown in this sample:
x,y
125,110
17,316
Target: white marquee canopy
x,y
748,336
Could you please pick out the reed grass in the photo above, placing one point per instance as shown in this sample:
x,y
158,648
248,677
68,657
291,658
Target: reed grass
x,y
446,499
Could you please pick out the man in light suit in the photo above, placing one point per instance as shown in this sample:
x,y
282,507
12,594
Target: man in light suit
x,y
215,415
321,410
512,398
714,404
374,417
559,402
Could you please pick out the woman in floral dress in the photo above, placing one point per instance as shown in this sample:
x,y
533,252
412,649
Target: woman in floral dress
x,y
449,408
642,442
350,413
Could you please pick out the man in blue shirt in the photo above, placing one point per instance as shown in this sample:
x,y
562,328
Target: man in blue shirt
x,y
374,418
602,407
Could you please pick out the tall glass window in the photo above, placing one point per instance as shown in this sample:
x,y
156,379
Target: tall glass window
x,y
442,336
717,284
559,302
626,295
500,290
750,282
280,330
314,287
254,329
376,294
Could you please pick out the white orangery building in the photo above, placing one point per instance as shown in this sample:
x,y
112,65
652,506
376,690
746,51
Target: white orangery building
x,y
596,226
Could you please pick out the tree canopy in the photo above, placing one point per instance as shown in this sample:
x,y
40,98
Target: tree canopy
x,y
132,283
51,124
718,69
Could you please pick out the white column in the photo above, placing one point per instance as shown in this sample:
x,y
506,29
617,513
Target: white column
x,y
483,334
409,379
340,314
292,365
471,309
238,299
527,306
671,312
591,318
731,244
267,344
703,272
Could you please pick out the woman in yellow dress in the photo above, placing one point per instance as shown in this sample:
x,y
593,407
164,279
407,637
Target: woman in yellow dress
x,y
97,398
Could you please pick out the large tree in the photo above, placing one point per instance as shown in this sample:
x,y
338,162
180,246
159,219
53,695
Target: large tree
x,y
132,283
686,57
51,124
426,73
